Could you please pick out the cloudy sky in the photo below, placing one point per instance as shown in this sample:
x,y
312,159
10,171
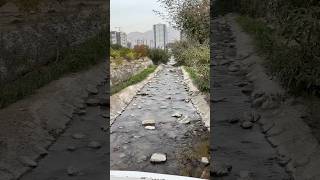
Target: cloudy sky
x,y
134,15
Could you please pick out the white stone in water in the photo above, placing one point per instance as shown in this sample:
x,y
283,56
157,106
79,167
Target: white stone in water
x,y
139,107
150,127
163,107
177,115
185,120
205,160
158,158
148,122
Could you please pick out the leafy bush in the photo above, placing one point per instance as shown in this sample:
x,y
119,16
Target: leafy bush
x,y
159,56
73,59
196,58
295,65
115,54
131,55
115,46
141,50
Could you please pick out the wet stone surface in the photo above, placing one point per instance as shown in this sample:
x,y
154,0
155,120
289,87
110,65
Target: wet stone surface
x,y
81,152
237,138
132,145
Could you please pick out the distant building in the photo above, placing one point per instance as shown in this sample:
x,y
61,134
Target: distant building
x,y
160,36
119,38
113,37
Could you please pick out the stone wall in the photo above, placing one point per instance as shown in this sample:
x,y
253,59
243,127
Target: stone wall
x,y
124,71
32,35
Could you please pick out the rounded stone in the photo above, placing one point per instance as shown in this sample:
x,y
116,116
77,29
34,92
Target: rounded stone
x,y
158,158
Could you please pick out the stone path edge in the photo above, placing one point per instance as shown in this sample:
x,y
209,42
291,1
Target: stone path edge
x,y
121,100
44,116
197,99
290,136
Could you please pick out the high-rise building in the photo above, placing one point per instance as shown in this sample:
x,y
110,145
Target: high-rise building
x,y
122,39
113,37
160,36
118,38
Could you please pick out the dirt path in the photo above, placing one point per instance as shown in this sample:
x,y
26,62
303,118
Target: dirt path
x,y
82,149
239,148
132,144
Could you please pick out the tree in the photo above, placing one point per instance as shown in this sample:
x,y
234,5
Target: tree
x,y
192,17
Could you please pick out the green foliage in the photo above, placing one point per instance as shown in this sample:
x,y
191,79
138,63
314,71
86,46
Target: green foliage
x,y
159,56
75,59
196,58
27,5
192,17
115,54
296,67
115,46
131,55
133,80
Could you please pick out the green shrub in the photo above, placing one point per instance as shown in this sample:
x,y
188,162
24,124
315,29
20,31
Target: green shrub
x,y
115,54
159,56
73,59
131,55
297,67
115,46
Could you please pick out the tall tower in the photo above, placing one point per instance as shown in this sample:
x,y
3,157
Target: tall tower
x,y
160,36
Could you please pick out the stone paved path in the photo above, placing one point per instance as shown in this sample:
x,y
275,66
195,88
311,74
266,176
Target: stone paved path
x,y
239,149
81,152
132,144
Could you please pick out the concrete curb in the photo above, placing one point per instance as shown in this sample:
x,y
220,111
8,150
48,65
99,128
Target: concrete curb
x,y
198,99
120,100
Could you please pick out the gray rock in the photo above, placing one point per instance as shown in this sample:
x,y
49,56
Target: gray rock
x,y
122,155
163,107
247,89
71,148
92,89
185,120
217,100
94,145
28,162
245,175
234,68
219,170
241,84
233,120
104,101
158,158
149,122
82,112
72,171
93,102
177,115
258,101
141,159
246,124
78,136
